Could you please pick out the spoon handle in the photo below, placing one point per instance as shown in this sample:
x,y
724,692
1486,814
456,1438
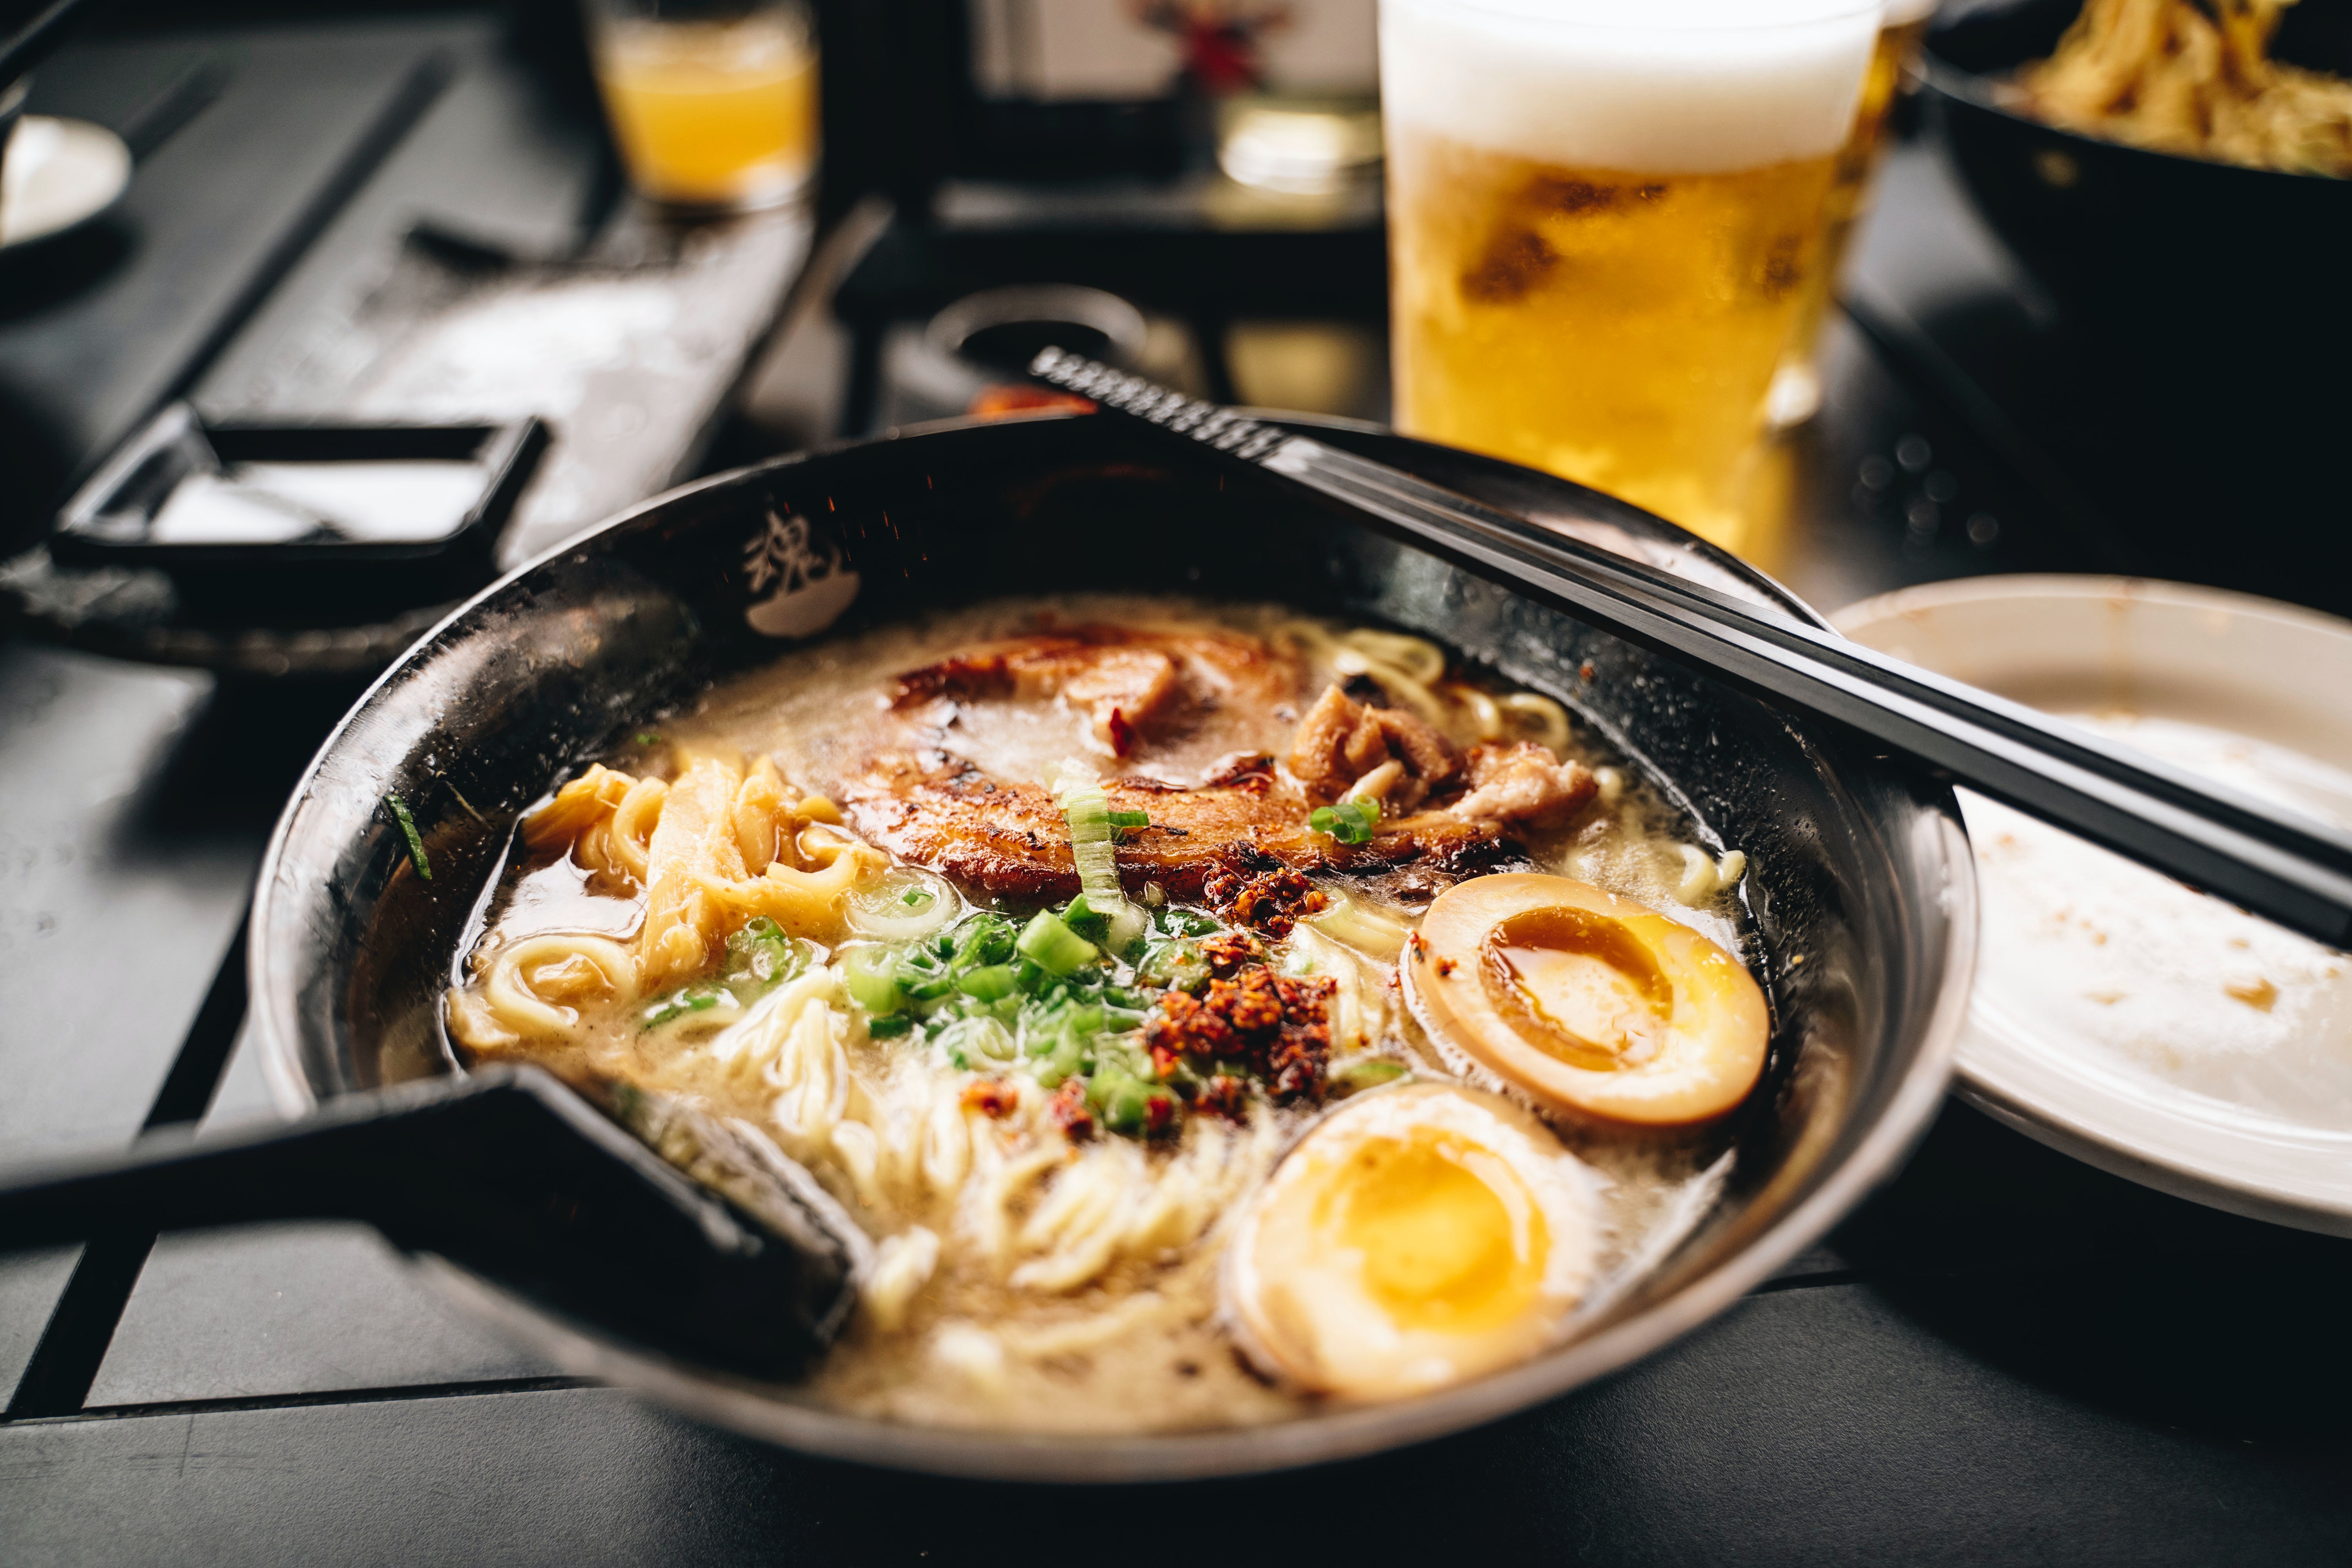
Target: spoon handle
x,y
507,1173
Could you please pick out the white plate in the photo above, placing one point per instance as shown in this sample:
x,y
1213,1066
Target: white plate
x,y
59,173
2166,1076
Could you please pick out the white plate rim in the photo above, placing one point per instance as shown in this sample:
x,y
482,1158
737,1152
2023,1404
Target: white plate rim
x,y
2097,1129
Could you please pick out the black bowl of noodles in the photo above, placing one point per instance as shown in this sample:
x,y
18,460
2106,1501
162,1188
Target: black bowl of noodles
x,y
1856,913
2210,292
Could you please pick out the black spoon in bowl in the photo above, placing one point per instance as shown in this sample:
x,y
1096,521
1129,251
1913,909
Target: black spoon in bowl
x,y
623,1210
2277,863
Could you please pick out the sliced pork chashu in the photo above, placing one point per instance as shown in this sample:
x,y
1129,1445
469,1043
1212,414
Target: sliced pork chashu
x,y
937,809
1132,686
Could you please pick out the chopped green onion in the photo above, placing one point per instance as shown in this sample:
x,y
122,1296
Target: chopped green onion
x,y
1117,1097
647,738
871,974
982,939
1092,844
1054,947
760,956
1130,819
888,1025
904,904
678,1004
1173,965
1083,919
408,831
923,987
1085,1020
1064,1053
1349,822
989,982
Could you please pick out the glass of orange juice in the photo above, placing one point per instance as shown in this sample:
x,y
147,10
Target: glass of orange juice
x,y
713,102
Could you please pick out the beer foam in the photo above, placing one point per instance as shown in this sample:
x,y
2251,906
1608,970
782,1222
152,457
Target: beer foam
x,y
1663,86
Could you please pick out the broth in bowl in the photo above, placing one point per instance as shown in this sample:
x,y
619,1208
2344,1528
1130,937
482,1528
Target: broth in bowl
x,y
1207,1011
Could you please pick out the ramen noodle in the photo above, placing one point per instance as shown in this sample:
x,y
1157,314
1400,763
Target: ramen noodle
x,y
2197,82
1077,949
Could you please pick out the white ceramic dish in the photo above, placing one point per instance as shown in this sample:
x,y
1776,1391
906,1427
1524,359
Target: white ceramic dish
x,y
58,175
2222,1072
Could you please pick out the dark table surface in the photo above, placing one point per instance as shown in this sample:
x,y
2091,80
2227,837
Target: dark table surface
x,y
2004,1357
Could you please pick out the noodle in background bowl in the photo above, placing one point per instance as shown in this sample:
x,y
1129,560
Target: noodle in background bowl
x,y
1859,894
2217,292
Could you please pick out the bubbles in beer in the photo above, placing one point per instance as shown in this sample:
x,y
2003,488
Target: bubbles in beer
x,y
1604,221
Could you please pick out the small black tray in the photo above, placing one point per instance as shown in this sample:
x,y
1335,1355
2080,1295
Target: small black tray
x,y
110,521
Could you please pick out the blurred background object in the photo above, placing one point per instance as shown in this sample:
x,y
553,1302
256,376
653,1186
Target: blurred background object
x,y
713,103
401,212
1299,148
58,175
2199,321
1604,229
12,104
980,346
1796,395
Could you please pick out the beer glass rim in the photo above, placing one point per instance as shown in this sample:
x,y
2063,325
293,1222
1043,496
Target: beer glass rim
x,y
1701,17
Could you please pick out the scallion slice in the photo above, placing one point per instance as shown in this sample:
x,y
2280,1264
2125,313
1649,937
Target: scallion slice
x,y
871,974
1093,844
903,904
1349,822
989,982
680,1003
408,831
1054,947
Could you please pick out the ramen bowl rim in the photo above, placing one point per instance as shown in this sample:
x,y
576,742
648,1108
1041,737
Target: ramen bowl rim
x,y
1321,1437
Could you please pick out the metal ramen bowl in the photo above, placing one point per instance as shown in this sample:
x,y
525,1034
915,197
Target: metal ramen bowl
x,y
1861,903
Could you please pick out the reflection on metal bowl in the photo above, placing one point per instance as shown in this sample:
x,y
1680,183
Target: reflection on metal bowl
x,y
1860,891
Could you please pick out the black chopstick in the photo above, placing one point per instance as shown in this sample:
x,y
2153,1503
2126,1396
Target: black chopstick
x,y
2276,863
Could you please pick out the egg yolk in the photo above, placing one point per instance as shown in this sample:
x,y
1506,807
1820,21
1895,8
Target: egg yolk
x,y
1451,1239
1578,986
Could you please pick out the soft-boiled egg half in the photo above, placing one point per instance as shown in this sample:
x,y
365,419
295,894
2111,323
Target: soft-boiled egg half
x,y
1416,1236
1595,1006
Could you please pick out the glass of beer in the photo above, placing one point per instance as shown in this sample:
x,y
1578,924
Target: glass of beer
x,y
1796,390
713,103
1603,217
